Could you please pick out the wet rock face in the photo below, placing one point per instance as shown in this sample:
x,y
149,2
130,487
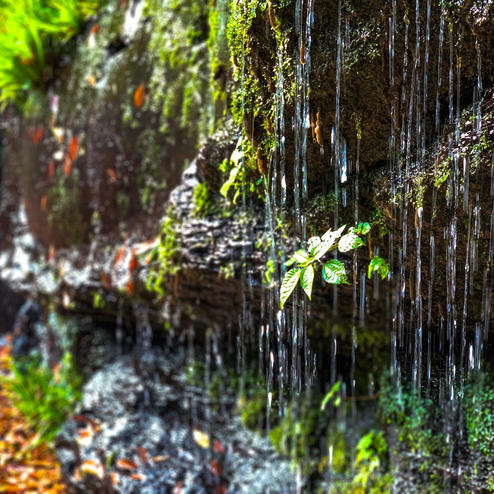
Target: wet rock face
x,y
10,303
143,410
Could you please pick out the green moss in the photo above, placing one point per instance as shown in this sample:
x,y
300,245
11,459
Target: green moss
x,y
203,205
179,89
479,416
164,263
65,220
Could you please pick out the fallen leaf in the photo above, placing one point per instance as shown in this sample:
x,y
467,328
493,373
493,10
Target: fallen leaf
x,y
137,476
91,80
216,468
43,202
132,263
51,253
95,29
105,279
120,255
143,454
143,247
159,459
115,478
112,174
67,167
126,464
218,447
201,439
139,95
50,169
129,287
73,147
58,132
93,468
38,135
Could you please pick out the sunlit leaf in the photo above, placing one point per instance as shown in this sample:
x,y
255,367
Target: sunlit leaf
x,y
307,279
334,389
331,236
378,265
312,243
201,438
288,285
334,272
301,256
349,241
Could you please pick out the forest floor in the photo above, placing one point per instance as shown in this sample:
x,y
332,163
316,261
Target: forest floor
x,y
24,468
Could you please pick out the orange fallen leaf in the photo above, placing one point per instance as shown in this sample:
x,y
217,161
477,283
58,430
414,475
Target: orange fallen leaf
x,y
50,169
139,95
216,468
218,447
38,135
137,476
91,80
133,263
43,202
120,255
143,454
51,253
67,167
93,468
95,29
129,287
115,478
112,174
73,147
126,464
105,279
160,458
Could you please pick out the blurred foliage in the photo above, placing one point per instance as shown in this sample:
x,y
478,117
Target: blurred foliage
x,y
164,256
44,396
478,402
30,31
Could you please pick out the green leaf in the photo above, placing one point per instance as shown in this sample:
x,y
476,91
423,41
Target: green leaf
x,y
301,256
312,244
331,236
288,285
307,279
229,182
334,389
322,248
334,272
362,228
349,241
290,262
378,265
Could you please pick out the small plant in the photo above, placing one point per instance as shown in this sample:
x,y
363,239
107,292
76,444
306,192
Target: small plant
x,y
44,396
28,29
333,271
371,451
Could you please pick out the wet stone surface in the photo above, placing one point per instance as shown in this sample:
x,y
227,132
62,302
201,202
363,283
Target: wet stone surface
x,y
142,421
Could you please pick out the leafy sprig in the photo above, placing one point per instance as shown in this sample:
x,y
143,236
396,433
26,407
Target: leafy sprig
x,y
333,271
